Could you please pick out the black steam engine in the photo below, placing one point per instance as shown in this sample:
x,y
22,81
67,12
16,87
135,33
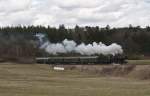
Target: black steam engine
x,y
101,59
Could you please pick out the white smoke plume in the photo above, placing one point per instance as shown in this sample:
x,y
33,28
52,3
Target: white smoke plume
x,y
68,46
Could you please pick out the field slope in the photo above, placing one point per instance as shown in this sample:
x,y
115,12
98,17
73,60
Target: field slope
x,y
40,80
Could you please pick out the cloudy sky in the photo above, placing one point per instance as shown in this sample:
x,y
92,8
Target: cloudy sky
x,y
116,13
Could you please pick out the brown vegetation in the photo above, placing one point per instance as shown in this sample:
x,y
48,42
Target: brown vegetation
x,y
40,80
141,72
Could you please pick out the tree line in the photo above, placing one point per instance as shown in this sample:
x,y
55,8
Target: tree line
x,y
20,41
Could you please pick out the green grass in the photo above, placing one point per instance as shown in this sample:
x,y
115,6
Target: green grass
x,y
40,80
138,62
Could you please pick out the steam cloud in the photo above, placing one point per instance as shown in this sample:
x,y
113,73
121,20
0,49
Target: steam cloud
x,y
68,46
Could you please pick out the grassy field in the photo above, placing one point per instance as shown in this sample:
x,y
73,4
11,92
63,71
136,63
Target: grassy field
x,y
40,80
138,62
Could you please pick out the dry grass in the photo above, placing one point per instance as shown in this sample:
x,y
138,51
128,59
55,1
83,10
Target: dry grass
x,y
138,62
103,70
119,70
40,80
141,72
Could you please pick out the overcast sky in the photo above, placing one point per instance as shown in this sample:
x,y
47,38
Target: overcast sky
x,y
116,13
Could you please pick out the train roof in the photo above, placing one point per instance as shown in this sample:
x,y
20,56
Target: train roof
x,y
81,57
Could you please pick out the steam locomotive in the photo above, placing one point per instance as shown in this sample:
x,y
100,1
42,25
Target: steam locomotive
x,y
101,59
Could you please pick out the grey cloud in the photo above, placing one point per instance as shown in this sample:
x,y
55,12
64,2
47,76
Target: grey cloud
x,y
14,5
71,12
